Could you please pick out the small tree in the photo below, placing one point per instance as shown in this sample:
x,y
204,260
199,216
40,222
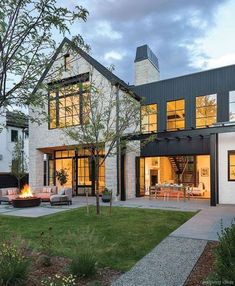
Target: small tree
x,y
27,46
19,167
108,114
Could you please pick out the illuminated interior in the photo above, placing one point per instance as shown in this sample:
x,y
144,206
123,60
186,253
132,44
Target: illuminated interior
x,y
206,109
175,115
149,118
231,165
162,170
84,168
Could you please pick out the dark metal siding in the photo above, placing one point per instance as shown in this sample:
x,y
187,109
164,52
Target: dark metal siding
x,y
195,146
219,81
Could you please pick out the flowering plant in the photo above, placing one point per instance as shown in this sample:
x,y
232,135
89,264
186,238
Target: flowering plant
x,y
59,280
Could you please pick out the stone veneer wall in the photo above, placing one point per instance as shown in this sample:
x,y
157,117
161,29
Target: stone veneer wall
x,y
145,72
132,151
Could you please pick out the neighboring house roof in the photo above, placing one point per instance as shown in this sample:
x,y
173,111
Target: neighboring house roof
x,y
15,119
143,53
99,67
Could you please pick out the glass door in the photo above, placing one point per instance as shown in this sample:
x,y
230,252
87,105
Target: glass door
x,y
140,177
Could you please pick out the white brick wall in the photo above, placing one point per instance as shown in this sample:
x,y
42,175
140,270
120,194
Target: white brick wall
x,y
145,72
132,151
41,137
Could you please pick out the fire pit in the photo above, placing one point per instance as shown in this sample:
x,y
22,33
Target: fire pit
x,y
26,202
26,199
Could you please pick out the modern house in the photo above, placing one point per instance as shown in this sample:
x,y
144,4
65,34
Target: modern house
x,y
187,124
12,129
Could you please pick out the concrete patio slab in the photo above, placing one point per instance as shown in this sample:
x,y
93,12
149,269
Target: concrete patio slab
x,y
207,223
169,264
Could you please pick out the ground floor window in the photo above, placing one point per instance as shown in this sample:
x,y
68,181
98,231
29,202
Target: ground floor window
x,y
231,165
80,168
192,172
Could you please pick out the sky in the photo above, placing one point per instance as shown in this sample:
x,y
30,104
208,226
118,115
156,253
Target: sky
x,y
186,35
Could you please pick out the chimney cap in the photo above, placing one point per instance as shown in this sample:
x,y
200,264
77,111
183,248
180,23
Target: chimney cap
x,y
143,53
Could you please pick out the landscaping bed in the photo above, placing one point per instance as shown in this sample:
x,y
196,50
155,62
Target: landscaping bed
x,y
59,266
204,266
112,242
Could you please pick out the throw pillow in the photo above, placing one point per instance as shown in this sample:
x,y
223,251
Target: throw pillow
x,y
11,192
46,189
61,192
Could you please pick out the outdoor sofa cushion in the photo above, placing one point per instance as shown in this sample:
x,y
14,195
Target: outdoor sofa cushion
x,y
6,197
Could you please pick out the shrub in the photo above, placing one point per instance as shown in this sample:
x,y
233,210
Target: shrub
x,y
225,255
14,267
59,280
84,265
47,241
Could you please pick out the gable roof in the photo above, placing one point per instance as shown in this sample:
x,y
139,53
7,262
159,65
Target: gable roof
x,y
98,66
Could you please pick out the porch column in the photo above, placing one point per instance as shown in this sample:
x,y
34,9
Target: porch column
x,y
36,168
214,169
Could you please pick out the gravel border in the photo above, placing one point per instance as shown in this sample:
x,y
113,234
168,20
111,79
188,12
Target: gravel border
x,y
168,264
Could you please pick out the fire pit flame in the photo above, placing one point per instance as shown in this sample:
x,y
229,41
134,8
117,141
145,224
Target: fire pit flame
x,y
26,192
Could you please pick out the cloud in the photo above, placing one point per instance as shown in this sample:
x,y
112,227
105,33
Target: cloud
x,y
114,55
171,29
211,63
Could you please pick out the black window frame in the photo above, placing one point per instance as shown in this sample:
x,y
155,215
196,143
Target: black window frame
x,y
176,129
55,87
206,106
148,124
14,138
230,152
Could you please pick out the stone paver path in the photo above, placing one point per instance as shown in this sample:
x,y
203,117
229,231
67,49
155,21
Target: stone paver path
x,y
207,223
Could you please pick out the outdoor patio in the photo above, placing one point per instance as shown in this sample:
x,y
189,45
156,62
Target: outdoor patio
x,y
78,202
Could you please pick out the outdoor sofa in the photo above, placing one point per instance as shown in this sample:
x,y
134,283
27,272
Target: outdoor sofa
x,y
44,192
64,197
8,194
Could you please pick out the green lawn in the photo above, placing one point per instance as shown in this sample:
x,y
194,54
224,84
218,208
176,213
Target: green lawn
x,y
118,241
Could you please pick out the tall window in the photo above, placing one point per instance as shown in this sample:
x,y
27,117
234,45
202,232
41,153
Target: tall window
x,y
14,135
231,165
175,115
67,62
232,105
149,118
206,109
65,101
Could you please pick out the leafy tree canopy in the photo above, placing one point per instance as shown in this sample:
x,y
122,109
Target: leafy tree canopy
x,y
27,45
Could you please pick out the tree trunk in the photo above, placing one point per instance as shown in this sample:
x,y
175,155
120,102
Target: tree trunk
x,y
18,179
97,184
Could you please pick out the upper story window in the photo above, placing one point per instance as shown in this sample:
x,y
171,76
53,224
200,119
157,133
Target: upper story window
x,y
149,118
67,62
206,110
231,165
14,135
65,103
232,105
175,115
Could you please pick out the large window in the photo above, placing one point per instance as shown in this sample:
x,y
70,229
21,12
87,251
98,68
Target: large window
x,y
175,115
231,165
149,118
65,101
232,105
206,109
